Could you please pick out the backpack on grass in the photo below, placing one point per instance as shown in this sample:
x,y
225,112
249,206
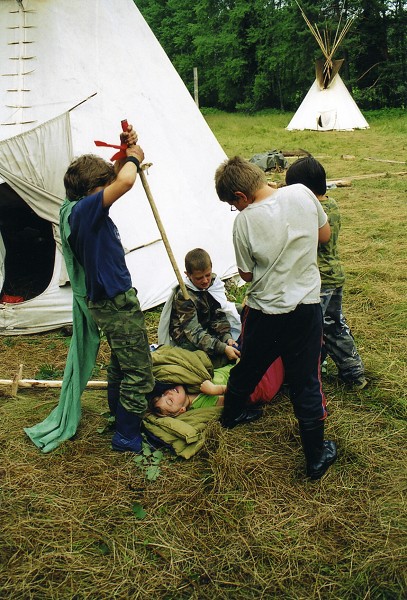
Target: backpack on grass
x,y
273,160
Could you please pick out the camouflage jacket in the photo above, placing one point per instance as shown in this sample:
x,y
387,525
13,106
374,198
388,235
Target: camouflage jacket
x,y
330,268
199,323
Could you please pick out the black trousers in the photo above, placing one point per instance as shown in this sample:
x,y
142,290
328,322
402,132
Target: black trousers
x,y
296,337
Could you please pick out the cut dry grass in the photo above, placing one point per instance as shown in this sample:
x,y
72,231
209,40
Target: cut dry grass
x,y
238,521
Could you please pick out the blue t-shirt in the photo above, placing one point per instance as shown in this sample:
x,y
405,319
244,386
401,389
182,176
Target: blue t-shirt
x,y
96,243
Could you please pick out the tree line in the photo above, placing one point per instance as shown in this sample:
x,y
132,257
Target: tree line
x,y
255,54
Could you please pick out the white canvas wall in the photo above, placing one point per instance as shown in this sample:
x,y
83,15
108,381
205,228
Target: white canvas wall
x,y
104,49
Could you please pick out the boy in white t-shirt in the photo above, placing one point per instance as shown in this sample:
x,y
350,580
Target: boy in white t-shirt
x,y
275,237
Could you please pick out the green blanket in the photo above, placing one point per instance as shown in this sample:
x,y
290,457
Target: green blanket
x,y
186,433
62,422
172,364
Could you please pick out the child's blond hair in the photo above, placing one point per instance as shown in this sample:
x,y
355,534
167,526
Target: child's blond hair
x,y
238,175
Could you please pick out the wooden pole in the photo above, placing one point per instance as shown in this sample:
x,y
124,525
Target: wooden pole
x,y
160,226
18,382
162,232
196,91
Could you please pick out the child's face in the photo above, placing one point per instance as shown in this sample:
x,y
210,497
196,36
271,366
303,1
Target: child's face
x,y
173,402
201,279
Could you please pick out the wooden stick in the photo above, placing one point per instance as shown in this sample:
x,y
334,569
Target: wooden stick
x,y
162,233
369,176
159,224
18,382
16,379
396,162
47,383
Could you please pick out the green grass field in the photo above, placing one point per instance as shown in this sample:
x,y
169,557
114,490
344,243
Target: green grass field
x,y
237,521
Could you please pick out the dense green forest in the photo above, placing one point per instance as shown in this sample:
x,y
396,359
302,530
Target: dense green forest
x,y
254,54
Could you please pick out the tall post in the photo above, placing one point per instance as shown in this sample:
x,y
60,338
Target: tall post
x,y
196,95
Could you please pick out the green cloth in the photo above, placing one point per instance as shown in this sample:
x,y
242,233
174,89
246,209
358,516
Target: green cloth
x,y
61,424
172,364
186,434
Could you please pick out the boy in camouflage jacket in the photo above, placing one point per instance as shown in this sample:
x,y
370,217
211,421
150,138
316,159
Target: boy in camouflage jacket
x,y
339,343
204,321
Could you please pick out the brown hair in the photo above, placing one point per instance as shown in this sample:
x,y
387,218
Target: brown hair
x,y
197,260
86,173
238,175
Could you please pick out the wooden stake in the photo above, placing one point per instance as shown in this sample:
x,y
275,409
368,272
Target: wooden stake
x,y
16,379
18,382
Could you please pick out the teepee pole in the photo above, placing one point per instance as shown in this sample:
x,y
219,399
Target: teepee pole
x,y
160,226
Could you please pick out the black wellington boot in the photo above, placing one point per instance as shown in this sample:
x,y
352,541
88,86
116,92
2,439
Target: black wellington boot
x,y
319,453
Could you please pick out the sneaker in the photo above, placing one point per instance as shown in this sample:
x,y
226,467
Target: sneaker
x,y
359,384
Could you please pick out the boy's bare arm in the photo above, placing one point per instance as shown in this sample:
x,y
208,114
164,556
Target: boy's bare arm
x,y
212,389
324,234
247,277
125,178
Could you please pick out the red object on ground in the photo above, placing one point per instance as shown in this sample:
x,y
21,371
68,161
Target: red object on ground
x,y
270,383
7,299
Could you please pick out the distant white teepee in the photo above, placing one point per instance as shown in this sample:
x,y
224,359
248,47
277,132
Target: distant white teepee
x,y
328,105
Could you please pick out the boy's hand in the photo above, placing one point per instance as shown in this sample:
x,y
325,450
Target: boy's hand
x,y
129,137
135,151
233,343
232,353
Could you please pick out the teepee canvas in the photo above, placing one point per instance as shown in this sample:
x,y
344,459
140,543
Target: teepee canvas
x,y
328,105
70,72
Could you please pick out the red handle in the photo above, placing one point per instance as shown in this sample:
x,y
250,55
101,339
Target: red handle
x,y
124,125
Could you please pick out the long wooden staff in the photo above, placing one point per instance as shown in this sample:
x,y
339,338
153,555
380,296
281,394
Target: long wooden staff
x,y
160,225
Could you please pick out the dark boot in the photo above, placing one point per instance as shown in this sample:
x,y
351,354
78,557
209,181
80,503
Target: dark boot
x,y
127,437
113,395
319,454
236,412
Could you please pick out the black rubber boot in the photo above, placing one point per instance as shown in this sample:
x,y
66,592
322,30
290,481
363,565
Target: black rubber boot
x,y
127,437
113,395
236,412
319,453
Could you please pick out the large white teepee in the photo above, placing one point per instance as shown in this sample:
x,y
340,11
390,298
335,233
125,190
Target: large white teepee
x,y
70,72
328,105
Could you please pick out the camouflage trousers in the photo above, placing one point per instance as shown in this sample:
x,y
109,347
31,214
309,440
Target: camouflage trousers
x,y
122,322
338,341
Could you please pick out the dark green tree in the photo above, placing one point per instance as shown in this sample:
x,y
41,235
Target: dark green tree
x,y
252,54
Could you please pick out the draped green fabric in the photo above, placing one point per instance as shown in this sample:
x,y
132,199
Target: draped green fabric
x,y
187,433
61,424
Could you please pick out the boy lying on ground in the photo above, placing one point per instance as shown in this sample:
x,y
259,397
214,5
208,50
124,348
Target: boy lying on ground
x,y
185,372
169,400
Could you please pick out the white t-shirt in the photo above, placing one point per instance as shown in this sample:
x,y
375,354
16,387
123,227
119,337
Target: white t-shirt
x,y
276,239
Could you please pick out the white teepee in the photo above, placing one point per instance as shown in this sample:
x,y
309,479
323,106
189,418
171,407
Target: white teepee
x,y
328,105
70,72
